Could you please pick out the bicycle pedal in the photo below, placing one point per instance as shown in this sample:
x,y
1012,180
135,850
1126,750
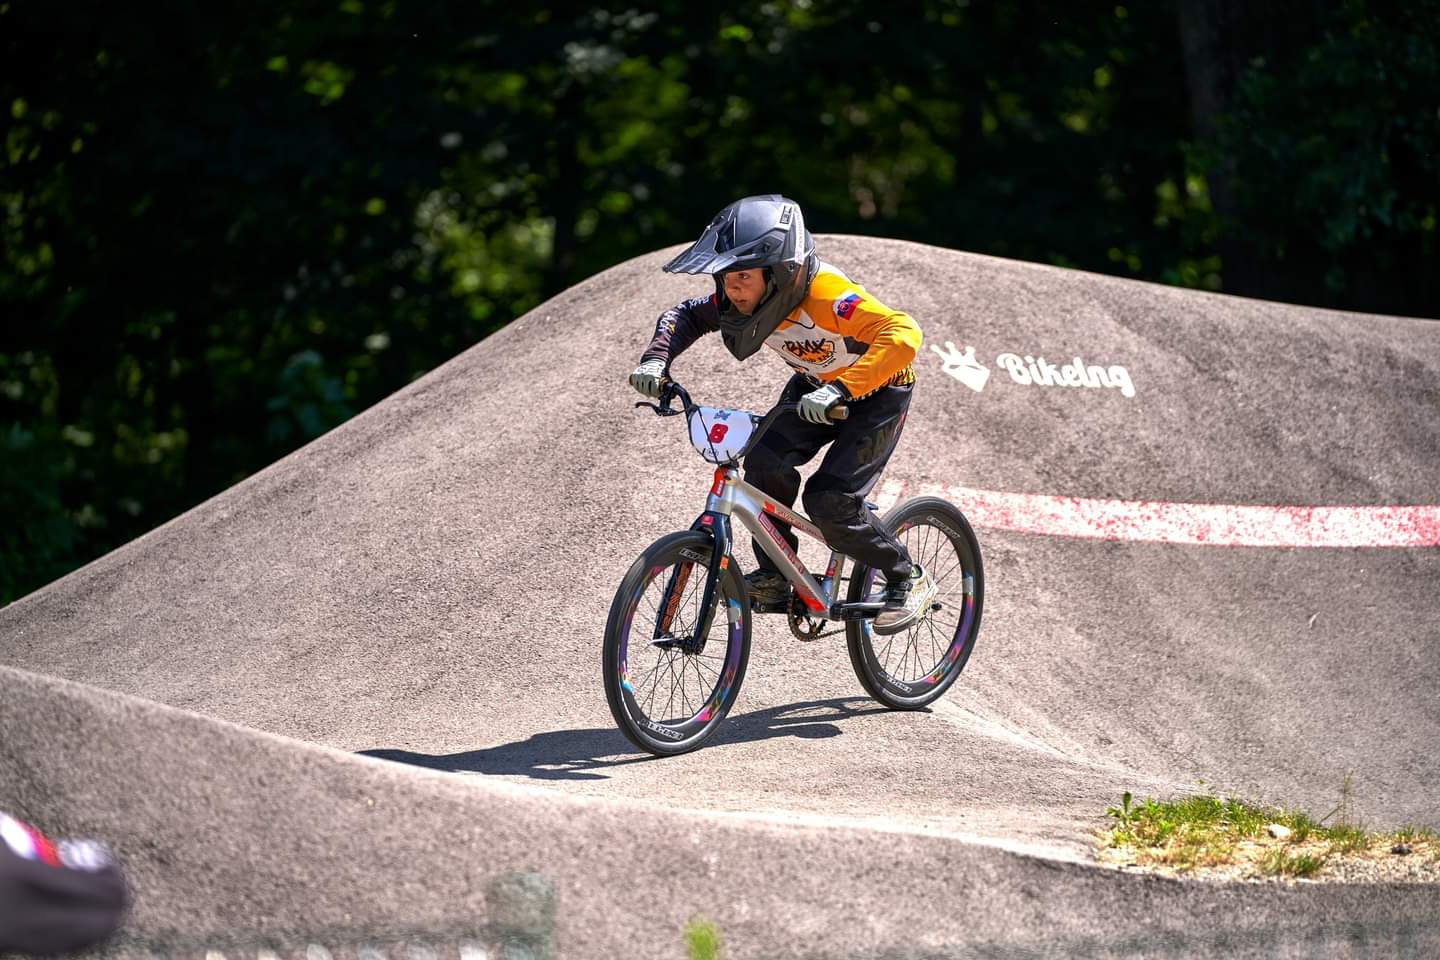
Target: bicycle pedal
x,y
863,610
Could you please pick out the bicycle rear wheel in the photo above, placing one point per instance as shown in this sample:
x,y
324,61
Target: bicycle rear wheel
x,y
668,688
910,669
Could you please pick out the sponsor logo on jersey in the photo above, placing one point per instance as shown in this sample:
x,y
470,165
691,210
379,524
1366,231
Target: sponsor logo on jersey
x,y
814,352
845,304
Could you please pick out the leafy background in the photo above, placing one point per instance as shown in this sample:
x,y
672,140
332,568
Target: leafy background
x,y
226,229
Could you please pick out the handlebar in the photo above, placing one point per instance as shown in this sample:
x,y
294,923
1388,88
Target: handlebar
x,y
670,390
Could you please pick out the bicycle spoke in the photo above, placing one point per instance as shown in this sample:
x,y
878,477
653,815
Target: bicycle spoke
x,y
949,570
649,707
701,663
937,650
889,644
670,702
939,644
652,676
702,691
677,689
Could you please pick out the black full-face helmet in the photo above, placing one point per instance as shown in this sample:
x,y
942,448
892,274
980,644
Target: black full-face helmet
x,y
766,232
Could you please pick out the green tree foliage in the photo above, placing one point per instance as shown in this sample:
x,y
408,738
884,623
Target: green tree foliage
x,y
1341,136
226,229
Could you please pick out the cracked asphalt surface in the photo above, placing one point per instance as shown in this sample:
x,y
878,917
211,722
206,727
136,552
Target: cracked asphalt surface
x,y
410,609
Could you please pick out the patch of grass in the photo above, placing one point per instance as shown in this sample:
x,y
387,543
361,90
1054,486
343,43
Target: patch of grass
x,y
1195,831
1301,825
1281,862
1206,830
702,940
1413,834
1348,839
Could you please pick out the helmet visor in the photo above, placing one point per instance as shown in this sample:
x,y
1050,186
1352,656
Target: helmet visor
x,y
753,232
714,252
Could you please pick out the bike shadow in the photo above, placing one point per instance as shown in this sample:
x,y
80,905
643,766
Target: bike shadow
x,y
584,754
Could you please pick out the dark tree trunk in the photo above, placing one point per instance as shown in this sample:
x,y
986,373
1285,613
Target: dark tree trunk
x,y
1220,40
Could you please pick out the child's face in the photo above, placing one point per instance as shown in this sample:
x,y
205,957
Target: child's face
x,y
744,288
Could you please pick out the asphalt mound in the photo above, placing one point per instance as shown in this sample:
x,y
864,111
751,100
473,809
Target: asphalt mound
x,y
241,843
427,585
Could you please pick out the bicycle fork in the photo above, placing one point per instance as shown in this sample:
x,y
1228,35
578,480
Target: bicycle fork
x,y
717,525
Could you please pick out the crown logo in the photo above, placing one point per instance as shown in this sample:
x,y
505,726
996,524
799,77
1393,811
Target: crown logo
x,y
963,366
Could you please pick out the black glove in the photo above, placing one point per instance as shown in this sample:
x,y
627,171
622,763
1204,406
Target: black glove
x,y
55,898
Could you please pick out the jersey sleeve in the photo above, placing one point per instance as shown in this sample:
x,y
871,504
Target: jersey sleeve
x,y
680,326
892,338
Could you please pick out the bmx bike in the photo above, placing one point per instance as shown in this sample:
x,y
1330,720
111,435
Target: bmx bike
x,y
672,673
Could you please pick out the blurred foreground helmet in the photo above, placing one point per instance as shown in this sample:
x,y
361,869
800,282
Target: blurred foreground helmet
x,y
765,232
56,897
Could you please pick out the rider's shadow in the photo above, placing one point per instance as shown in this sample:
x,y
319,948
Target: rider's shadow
x,y
583,754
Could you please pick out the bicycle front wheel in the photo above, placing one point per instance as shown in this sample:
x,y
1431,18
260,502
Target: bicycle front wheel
x,y
910,669
667,686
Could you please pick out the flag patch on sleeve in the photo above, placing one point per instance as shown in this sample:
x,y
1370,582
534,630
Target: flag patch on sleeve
x,y
845,304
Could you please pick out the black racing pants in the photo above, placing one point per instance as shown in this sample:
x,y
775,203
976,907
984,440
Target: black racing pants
x,y
860,446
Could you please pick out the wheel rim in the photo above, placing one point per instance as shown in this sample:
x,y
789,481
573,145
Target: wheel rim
x,y
669,694
913,661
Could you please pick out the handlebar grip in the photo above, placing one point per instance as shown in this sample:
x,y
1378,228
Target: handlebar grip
x,y
838,413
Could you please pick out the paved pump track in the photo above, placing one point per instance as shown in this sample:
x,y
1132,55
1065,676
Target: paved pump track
x,y
353,704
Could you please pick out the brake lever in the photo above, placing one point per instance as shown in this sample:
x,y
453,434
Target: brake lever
x,y
661,411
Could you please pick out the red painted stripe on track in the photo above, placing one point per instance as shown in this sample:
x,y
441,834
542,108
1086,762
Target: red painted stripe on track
x,y
1224,525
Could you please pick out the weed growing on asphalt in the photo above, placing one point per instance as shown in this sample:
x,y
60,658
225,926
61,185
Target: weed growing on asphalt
x,y
1192,833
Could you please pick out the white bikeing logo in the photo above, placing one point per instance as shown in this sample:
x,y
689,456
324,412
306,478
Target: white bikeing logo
x,y
1033,371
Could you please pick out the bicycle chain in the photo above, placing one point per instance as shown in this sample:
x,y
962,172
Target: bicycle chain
x,y
810,632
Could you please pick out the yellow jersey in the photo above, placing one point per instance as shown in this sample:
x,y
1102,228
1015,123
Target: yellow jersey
x,y
838,334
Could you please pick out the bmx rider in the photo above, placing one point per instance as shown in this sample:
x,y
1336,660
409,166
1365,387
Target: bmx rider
x,y
844,346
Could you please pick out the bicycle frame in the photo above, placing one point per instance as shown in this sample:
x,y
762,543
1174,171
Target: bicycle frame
x,y
731,496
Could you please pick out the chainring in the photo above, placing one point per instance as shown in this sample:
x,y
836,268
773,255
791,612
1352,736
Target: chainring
x,y
806,628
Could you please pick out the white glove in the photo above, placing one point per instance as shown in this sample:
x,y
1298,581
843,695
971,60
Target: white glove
x,y
647,377
815,405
